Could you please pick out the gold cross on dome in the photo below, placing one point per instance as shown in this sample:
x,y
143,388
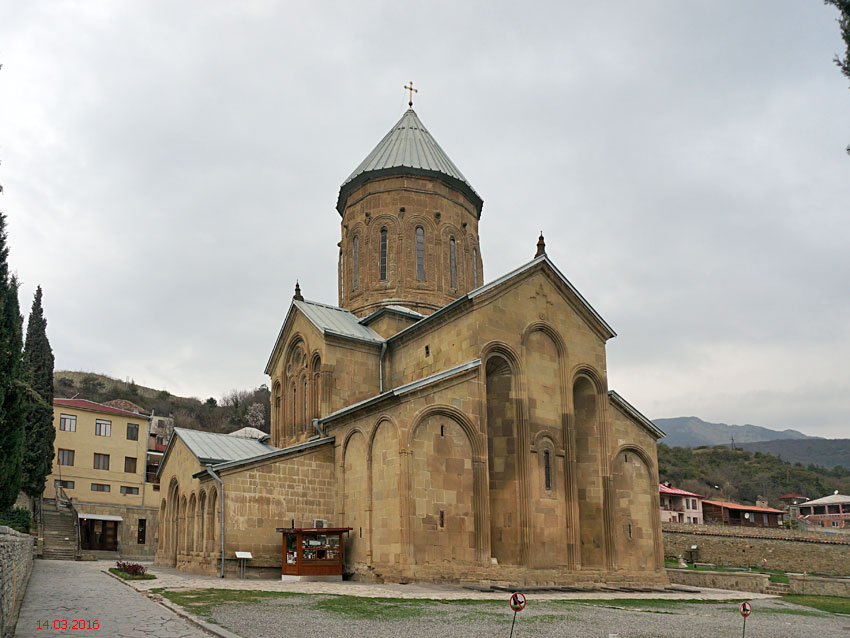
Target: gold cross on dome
x,y
412,91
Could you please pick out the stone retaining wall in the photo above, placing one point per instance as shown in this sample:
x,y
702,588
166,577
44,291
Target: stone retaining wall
x,y
15,568
788,550
738,581
815,586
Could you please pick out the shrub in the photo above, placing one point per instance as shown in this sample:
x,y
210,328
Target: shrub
x,y
134,569
17,518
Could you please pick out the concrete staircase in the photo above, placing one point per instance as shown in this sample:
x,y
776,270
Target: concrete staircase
x,y
60,532
778,589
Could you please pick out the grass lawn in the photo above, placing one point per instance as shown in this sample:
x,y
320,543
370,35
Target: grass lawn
x,y
832,604
776,575
201,601
126,576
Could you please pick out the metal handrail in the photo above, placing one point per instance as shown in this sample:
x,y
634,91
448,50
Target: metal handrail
x,y
60,493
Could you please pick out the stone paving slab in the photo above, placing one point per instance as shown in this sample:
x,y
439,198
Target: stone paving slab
x,y
79,591
174,579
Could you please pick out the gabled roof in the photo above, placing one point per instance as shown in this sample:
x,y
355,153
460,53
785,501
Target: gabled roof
x,y
329,320
411,150
210,447
743,508
403,389
832,499
542,261
91,406
675,491
398,310
633,412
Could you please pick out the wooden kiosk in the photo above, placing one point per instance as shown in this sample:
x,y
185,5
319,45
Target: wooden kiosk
x,y
312,553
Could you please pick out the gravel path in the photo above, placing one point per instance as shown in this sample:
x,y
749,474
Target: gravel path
x,y
304,616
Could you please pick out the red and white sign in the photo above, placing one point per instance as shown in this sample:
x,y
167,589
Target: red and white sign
x,y
517,601
746,609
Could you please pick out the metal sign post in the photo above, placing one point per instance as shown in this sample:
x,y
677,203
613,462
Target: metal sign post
x,y
517,603
746,609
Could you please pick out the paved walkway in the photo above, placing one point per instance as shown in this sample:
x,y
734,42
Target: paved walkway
x,y
61,591
173,579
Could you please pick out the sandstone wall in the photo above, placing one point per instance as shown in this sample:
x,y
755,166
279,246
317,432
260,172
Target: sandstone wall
x,y
15,568
815,586
792,551
738,581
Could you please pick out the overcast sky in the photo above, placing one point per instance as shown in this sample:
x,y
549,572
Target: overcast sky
x,y
170,168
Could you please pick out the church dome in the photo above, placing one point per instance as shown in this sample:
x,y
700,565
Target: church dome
x,y
408,149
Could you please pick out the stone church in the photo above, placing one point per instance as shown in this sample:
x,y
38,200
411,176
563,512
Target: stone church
x,y
462,428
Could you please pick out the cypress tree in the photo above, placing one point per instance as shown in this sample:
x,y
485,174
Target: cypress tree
x,y
39,433
11,383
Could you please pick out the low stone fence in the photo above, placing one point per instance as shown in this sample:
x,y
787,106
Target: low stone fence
x,y
788,550
816,586
738,581
15,569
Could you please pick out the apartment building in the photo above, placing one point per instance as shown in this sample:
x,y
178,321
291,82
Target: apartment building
x,y
100,462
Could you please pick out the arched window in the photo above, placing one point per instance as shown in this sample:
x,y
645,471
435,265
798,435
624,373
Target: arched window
x,y
547,470
452,261
355,243
305,404
474,268
420,253
383,254
294,405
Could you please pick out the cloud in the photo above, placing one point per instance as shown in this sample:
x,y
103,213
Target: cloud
x,y
171,169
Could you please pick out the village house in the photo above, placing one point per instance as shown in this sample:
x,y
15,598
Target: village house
x,y
680,506
722,512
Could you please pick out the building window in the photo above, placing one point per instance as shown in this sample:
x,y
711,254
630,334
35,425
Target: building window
x,y
630,531
143,528
305,405
101,461
420,253
474,268
67,423
99,487
130,464
452,261
102,428
132,431
383,254
547,470
64,457
354,258
68,485
442,518
126,489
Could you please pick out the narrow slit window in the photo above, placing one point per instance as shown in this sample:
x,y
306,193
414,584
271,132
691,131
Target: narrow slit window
x,y
547,470
305,405
354,262
630,531
442,518
420,253
383,254
474,268
452,261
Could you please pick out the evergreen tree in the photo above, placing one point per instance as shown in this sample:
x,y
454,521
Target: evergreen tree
x,y
11,383
40,433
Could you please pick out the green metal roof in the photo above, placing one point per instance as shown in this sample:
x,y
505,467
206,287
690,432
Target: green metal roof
x,y
408,149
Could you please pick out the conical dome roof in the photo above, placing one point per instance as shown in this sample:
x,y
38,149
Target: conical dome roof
x,y
411,150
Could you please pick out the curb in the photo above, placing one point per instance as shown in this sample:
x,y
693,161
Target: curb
x,y
210,628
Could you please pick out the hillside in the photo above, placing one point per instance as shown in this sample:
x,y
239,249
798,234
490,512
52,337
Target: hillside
x,y
691,431
824,452
237,409
741,475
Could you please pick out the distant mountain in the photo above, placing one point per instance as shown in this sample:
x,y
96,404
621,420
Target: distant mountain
x,y
824,452
690,431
